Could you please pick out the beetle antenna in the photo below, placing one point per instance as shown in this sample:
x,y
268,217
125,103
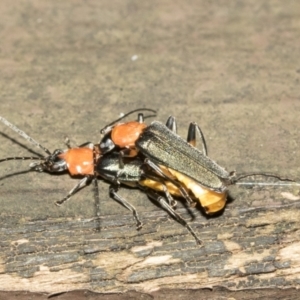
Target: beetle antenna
x,y
20,158
24,135
281,181
128,114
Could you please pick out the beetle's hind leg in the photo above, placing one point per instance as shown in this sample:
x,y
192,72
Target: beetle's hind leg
x,y
157,183
159,171
192,131
171,124
191,137
163,203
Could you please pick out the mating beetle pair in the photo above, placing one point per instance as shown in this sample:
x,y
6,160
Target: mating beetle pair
x,y
174,160
153,158
157,169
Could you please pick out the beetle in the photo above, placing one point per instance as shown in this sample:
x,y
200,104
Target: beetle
x,y
179,161
213,200
175,159
78,161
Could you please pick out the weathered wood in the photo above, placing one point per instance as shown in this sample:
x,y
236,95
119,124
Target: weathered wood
x,y
70,67
267,294
253,244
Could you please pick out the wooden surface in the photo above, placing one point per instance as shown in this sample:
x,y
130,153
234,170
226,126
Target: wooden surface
x,y
69,68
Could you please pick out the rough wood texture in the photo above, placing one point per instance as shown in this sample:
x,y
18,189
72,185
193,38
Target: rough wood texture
x,y
69,68
246,247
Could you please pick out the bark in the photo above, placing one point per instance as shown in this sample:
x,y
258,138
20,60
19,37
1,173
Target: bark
x,y
253,244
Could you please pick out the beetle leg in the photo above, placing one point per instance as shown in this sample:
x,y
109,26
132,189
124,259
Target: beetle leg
x,y
84,145
68,142
121,161
161,201
127,152
106,129
97,204
96,188
171,124
191,137
87,145
141,118
82,183
109,127
171,201
113,192
158,170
